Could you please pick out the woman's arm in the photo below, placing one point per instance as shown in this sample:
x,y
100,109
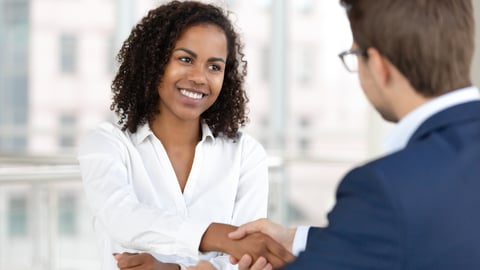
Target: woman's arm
x,y
251,203
104,163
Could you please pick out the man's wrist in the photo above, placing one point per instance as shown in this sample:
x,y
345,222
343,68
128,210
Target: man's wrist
x,y
291,237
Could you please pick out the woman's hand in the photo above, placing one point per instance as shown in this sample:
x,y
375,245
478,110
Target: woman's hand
x,y
142,261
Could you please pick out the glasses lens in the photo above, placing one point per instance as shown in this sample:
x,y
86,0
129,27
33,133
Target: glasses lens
x,y
351,61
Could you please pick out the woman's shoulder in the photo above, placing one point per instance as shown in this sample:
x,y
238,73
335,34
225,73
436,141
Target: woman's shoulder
x,y
108,130
106,136
243,140
247,138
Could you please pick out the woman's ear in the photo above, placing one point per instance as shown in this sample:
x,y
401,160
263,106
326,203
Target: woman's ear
x,y
379,67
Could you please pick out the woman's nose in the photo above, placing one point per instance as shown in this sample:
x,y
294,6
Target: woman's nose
x,y
197,75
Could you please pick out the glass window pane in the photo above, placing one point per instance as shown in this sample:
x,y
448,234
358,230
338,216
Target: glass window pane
x,y
67,134
68,50
67,222
17,216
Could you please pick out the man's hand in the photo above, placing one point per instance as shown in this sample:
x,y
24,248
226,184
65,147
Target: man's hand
x,y
259,245
142,261
279,233
246,261
255,244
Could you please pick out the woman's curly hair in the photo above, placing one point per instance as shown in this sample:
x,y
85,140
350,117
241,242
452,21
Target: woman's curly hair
x,y
146,52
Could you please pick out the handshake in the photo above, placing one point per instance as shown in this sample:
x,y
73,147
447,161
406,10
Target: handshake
x,y
257,245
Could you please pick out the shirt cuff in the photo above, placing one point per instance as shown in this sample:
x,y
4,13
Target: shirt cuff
x,y
300,240
189,237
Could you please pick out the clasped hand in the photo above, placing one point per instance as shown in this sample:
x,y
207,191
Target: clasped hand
x,y
258,245
282,255
251,246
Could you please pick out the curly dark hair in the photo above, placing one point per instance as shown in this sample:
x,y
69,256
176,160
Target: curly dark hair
x,y
147,50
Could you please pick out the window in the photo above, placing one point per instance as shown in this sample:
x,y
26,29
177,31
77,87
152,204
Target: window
x,y
13,113
15,11
230,3
305,7
264,4
67,221
17,216
14,51
111,55
68,123
265,56
304,69
304,138
68,50
264,135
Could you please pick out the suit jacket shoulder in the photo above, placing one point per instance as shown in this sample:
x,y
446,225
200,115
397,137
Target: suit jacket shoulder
x,y
413,209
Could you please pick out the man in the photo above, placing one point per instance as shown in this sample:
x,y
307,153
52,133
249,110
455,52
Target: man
x,y
418,206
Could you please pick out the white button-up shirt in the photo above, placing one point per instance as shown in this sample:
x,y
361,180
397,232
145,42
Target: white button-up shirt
x,y
137,202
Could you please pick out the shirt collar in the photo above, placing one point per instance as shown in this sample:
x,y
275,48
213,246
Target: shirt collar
x,y
207,132
144,131
401,133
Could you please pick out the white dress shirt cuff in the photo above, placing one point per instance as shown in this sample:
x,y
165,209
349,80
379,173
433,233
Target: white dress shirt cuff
x,y
300,240
189,237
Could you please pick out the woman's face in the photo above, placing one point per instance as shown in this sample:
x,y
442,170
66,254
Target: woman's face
x,y
194,73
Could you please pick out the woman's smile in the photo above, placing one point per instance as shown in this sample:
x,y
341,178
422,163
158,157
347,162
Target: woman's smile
x,y
193,94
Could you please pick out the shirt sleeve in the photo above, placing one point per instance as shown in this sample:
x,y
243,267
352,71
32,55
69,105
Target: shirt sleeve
x,y
222,262
103,161
251,201
300,240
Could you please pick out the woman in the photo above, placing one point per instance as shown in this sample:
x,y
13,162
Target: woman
x,y
176,170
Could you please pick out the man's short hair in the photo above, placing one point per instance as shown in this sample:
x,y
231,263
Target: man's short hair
x,y
431,42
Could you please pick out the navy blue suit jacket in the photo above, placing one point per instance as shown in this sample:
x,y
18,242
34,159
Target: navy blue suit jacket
x,y
418,208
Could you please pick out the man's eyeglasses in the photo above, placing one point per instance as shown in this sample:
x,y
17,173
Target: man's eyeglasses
x,y
350,58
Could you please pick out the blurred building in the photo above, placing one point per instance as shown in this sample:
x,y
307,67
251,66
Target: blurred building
x,y
57,63
14,74
56,66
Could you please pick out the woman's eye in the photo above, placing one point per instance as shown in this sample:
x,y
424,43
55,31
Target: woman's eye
x,y
215,67
186,59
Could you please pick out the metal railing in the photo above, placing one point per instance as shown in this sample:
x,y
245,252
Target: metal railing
x,y
42,182
30,231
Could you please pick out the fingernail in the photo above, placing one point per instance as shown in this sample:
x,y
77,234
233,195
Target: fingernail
x,y
117,256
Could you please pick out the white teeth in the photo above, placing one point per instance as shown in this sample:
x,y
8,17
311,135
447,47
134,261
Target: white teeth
x,y
192,95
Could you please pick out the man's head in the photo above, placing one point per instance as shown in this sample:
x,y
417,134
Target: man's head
x,y
430,42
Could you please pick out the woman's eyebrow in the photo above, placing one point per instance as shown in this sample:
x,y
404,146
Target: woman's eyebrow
x,y
194,55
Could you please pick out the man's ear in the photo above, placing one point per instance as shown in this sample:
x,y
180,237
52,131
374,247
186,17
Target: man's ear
x,y
379,67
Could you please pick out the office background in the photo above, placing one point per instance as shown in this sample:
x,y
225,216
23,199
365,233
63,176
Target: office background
x,y
56,66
